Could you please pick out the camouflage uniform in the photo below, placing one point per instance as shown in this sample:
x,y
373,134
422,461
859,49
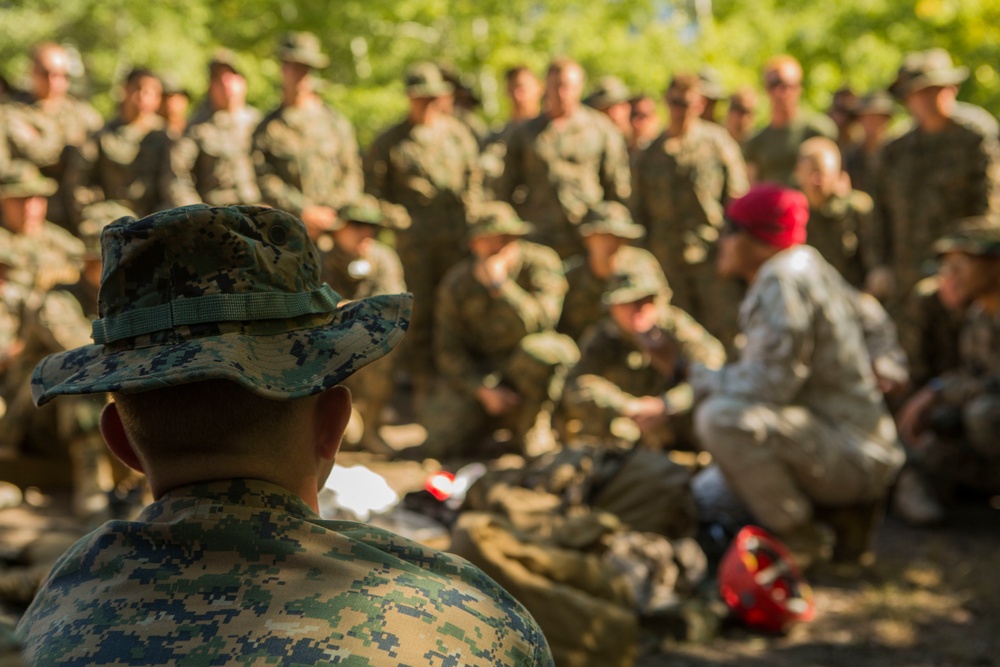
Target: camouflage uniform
x,y
306,157
839,229
27,135
682,185
554,173
499,337
317,592
433,172
211,163
773,151
798,419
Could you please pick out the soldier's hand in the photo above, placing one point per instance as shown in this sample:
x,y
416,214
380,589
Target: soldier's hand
x,y
497,400
663,350
648,412
912,417
319,219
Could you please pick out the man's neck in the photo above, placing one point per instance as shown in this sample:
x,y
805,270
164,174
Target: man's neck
x,y
681,126
935,124
782,117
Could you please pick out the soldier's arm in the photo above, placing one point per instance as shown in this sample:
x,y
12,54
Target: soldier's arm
x,y
455,363
389,271
540,306
473,194
513,165
587,387
178,175
273,189
615,169
353,182
33,136
737,181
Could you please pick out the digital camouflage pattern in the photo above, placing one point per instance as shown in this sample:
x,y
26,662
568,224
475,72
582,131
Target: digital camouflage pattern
x,y
841,230
681,188
269,582
27,135
613,372
800,408
306,157
211,162
198,293
44,258
771,154
554,173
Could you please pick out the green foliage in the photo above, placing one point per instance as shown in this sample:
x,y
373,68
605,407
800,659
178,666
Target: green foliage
x,y
370,42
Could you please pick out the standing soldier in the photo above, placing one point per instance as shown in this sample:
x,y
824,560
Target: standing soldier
x,y
525,94
863,161
113,167
712,91
428,164
771,154
645,123
304,152
498,354
564,162
944,169
211,163
357,267
76,122
611,98
741,113
683,181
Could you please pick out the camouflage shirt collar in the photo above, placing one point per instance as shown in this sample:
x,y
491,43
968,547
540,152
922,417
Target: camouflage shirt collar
x,y
247,493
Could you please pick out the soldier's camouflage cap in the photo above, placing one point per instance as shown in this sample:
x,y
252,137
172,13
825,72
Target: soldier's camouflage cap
x,y
425,79
498,218
302,48
369,210
223,58
22,179
923,69
630,284
95,217
610,90
978,236
220,293
711,84
878,102
613,218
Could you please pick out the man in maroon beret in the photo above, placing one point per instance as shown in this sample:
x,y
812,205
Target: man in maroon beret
x,y
798,423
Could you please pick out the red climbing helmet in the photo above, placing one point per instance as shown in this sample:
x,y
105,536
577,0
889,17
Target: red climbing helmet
x,y
759,580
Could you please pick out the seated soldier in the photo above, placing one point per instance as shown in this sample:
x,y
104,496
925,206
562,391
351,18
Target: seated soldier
x,y
499,358
356,267
621,390
224,355
951,423
606,230
798,422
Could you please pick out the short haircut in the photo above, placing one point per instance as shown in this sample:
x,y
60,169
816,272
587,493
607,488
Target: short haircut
x,y
781,61
560,64
517,70
136,74
190,419
744,98
685,82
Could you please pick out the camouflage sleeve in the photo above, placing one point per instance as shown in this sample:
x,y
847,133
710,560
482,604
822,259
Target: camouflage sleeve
x,y
737,181
513,165
352,182
616,170
775,361
984,178
454,361
586,385
539,306
696,346
881,339
57,323
178,180
33,136
273,189
473,194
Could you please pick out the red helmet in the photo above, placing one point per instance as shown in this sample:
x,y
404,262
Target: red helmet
x,y
760,581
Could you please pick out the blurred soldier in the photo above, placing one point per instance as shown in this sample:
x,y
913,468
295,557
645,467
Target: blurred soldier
x,y
920,191
114,165
952,422
154,155
357,267
798,421
429,165
525,94
863,161
607,231
683,181
564,162
611,98
839,217
463,103
76,122
843,112
771,154
211,163
174,105
712,91
499,357
237,425
304,152
645,124
620,390
740,115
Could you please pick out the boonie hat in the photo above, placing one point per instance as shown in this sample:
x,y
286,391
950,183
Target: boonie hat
x,y
878,102
425,79
302,48
613,218
923,69
772,213
22,179
630,284
977,236
610,91
220,293
497,217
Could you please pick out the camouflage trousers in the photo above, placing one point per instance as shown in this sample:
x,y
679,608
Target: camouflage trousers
x,y
535,370
781,461
962,448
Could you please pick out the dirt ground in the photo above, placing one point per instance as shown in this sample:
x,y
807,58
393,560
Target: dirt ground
x,y
931,599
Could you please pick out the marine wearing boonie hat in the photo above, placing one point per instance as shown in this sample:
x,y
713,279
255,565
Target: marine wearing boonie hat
x,y
979,236
232,293
610,90
629,285
923,69
498,218
612,218
424,79
302,48
23,179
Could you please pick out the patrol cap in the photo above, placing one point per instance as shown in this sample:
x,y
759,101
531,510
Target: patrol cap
x,y
220,293
424,79
610,217
95,217
22,179
223,58
302,48
630,284
923,69
979,236
498,218
772,213
610,90
878,102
